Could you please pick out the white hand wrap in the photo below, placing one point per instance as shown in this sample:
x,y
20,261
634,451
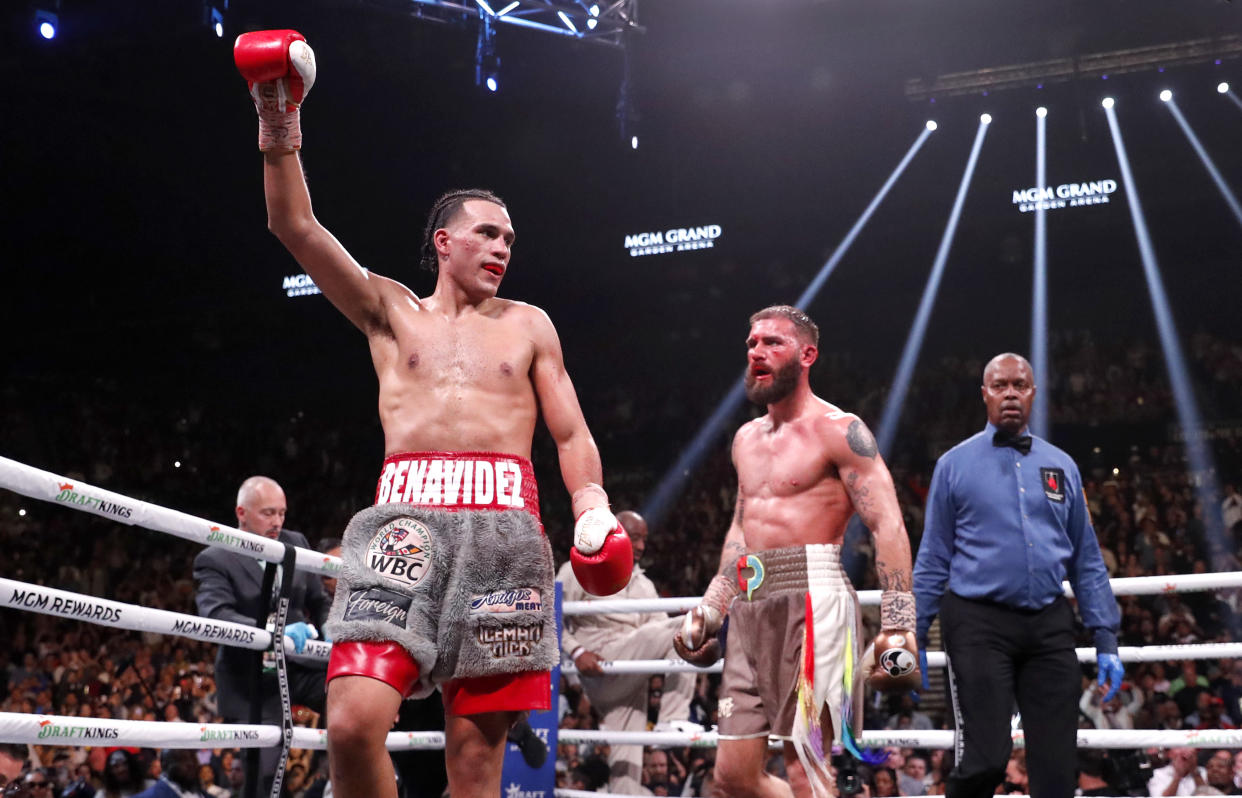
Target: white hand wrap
x,y
897,610
589,497
592,529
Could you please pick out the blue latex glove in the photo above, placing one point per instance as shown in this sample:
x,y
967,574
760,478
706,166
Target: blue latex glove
x,y
923,667
299,633
1111,669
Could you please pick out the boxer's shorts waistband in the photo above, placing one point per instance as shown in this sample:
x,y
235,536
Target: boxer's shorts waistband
x,y
459,481
791,569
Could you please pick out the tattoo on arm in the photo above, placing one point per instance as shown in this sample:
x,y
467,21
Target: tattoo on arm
x,y
728,558
892,578
733,548
860,495
860,439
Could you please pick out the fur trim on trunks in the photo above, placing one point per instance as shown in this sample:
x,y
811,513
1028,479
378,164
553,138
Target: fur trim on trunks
x,y
467,593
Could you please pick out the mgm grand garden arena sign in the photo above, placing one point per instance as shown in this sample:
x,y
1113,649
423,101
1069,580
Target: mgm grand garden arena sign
x,y
676,239
1066,195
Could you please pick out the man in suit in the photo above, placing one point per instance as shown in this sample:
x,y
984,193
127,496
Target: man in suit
x,y
228,589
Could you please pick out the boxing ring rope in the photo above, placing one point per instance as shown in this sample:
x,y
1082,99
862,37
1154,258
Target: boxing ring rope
x,y
18,727
1124,586
103,612
938,659
63,730
74,493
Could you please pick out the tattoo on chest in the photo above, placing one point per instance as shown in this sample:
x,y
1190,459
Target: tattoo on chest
x,y
861,442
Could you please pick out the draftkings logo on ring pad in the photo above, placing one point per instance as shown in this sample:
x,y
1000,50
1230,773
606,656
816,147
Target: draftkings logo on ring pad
x,y
68,495
400,551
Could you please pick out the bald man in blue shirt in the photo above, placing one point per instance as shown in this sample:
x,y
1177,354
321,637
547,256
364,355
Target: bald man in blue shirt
x,y
1006,523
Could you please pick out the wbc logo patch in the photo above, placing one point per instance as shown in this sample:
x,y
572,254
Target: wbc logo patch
x,y
1054,484
401,552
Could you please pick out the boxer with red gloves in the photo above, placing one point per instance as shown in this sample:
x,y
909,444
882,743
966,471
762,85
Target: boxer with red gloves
x,y
803,469
448,580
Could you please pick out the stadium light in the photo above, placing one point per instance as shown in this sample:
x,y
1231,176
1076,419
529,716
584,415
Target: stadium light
x,y
1041,112
1165,96
985,119
1107,102
931,124
47,23
674,479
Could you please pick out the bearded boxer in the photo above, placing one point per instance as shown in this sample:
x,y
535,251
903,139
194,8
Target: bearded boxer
x,y
803,470
448,579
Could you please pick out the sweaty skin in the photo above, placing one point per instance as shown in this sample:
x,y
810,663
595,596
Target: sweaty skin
x,y
460,370
806,466
802,470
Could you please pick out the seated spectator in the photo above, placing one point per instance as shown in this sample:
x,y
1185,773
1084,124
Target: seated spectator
x,y
1182,776
883,783
1219,770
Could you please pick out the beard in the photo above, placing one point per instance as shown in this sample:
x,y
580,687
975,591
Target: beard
x,y
784,380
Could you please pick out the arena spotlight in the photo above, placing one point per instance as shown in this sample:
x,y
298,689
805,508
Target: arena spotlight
x,y
1225,191
213,16
569,23
486,61
22,512
1041,112
47,23
1039,285
931,124
1107,102
507,8
985,119
1165,96
1222,88
1198,451
633,142
671,483
593,20
918,330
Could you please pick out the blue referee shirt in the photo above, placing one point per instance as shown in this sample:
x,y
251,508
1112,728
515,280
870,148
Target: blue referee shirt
x,y
1009,528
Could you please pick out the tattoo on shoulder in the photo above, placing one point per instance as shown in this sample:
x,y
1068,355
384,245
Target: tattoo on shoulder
x,y
860,439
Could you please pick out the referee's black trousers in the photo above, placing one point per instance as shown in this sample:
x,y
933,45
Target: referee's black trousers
x,y
998,654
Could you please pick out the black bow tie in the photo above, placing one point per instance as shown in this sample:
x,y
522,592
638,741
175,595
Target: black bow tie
x,y
1021,442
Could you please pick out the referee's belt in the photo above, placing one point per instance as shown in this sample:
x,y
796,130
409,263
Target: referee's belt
x,y
791,569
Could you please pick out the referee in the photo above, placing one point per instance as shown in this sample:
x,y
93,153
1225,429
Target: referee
x,y
1006,522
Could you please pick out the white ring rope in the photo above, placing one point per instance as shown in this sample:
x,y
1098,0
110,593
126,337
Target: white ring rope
x,y
16,727
49,487
1125,586
908,738
63,730
62,603
936,659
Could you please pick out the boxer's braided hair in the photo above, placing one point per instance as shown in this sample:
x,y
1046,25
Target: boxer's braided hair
x,y
443,212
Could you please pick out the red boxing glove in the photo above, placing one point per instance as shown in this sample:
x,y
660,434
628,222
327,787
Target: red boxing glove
x,y
602,557
279,68
893,660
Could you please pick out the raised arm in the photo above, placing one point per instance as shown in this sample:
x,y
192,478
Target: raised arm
x,y
279,67
352,289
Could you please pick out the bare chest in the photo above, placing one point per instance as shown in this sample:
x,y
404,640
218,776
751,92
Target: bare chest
x,y
488,354
784,463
